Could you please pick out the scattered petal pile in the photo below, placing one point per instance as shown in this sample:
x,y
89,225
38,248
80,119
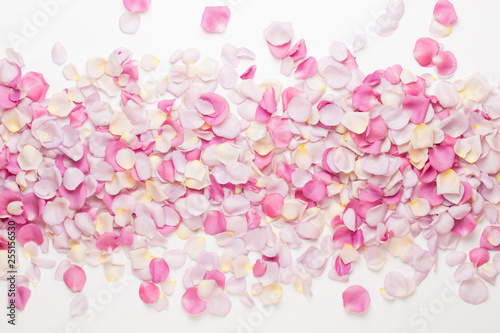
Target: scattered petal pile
x,y
361,165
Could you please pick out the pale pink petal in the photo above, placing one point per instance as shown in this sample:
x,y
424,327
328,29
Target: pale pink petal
x,y
79,305
59,54
455,258
473,291
75,278
219,304
215,18
395,9
356,299
130,22
385,26
397,285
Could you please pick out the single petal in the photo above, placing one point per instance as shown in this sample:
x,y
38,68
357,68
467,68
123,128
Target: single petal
x,y
59,54
356,299
130,22
75,278
149,292
444,12
79,305
425,50
215,18
473,291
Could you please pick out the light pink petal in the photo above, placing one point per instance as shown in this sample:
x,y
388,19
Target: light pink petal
x,y
79,305
444,12
137,6
299,109
385,26
228,77
446,63
75,278
473,291
149,292
215,18
191,302
395,9
397,285
425,50
455,258
130,22
59,54
215,222
219,304
356,299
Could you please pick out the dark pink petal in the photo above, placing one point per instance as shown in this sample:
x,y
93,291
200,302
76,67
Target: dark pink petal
x,y
159,269
364,98
191,302
441,157
149,292
215,18
444,12
479,256
137,6
75,278
306,68
22,296
30,233
215,222
272,205
35,86
220,106
425,50
314,190
107,241
249,73
356,299
446,63
298,51
5,100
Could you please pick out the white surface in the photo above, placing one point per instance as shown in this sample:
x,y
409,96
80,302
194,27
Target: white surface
x,y
90,27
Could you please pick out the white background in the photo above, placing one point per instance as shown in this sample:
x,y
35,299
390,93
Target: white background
x,y
90,28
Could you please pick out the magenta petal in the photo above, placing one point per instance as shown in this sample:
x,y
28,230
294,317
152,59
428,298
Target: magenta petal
x,y
356,299
5,101
30,233
137,6
272,205
444,12
215,18
191,302
75,278
149,292
159,269
215,222
425,50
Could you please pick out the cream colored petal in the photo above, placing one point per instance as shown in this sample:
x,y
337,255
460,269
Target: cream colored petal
x,y
125,158
356,122
419,207
348,254
60,105
448,182
422,137
29,158
303,157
